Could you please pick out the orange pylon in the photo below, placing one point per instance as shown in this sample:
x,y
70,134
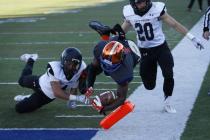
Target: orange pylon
x,y
117,115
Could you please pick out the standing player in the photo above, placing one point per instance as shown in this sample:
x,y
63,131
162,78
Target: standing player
x,y
206,24
60,75
116,57
146,18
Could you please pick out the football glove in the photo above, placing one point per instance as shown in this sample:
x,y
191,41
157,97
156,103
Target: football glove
x,y
196,42
96,104
89,92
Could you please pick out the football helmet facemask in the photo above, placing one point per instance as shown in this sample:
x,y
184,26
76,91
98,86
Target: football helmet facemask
x,y
112,56
71,60
143,10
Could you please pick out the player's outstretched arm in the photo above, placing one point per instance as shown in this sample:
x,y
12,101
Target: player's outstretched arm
x,y
120,99
183,30
93,70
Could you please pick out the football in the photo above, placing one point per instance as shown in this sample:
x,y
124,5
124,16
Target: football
x,y
107,97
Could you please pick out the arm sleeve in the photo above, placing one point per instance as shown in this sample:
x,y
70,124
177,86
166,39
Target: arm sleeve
x,y
164,10
93,71
82,82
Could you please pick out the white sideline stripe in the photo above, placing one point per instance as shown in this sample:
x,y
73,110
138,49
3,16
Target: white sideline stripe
x,y
148,121
97,83
79,116
35,129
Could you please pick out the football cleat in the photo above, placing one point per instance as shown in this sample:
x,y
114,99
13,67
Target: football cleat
x,y
19,98
167,107
26,56
100,28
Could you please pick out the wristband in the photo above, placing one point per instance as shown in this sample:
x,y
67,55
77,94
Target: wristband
x,y
190,36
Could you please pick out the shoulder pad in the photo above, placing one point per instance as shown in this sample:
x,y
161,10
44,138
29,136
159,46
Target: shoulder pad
x,y
159,6
128,11
49,69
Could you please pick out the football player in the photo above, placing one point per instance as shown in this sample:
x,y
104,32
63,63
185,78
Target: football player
x,y
206,24
68,73
116,57
146,19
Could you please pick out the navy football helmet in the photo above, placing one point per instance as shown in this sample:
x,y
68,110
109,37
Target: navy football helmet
x,y
71,60
143,10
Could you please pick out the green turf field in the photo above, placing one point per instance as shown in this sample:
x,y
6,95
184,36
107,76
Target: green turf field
x,y
49,35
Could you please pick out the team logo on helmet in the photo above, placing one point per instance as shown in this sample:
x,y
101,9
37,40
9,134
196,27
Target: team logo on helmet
x,y
112,56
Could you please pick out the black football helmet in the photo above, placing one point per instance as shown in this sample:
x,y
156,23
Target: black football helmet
x,y
71,60
141,11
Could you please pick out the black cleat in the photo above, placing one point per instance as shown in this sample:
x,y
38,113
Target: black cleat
x,y
100,28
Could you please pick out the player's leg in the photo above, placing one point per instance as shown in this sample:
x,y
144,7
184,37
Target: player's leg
x,y
35,101
166,63
200,4
190,4
27,79
148,69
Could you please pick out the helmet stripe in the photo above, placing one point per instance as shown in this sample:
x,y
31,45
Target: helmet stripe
x,y
114,47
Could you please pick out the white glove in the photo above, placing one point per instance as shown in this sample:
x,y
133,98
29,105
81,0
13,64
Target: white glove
x,y
89,92
96,103
196,42
79,98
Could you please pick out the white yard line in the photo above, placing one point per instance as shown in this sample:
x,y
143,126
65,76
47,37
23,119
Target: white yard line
x,y
46,33
51,33
96,83
79,116
47,43
148,121
35,129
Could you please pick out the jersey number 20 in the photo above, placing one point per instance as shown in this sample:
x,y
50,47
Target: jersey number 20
x,y
147,29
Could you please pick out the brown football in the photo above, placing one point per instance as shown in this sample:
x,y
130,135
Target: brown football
x,y
107,98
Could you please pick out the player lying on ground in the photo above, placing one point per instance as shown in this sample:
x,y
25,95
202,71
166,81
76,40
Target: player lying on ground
x,y
68,73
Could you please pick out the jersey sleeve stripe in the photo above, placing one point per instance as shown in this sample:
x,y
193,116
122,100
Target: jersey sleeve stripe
x,y
163,11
